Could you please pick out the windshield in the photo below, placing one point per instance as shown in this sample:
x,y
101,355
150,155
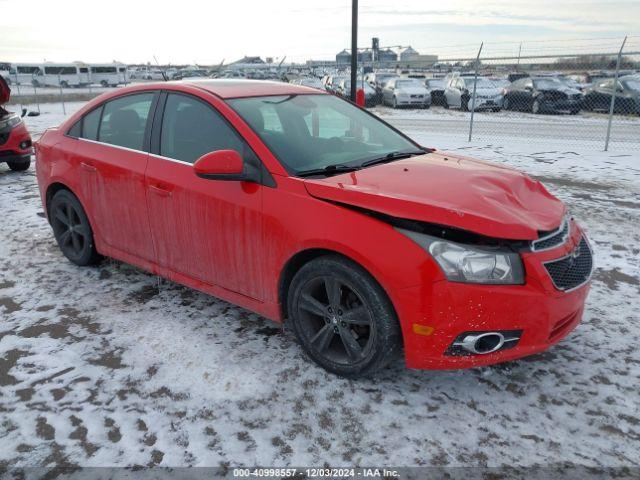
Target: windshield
x,y
408,83
633,84
308,132
482,83
548,83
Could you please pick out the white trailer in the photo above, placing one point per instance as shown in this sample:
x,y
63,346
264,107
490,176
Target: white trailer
x,y
108,74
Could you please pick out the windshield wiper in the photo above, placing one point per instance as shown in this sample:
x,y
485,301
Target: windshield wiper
x,y
390,157
328,170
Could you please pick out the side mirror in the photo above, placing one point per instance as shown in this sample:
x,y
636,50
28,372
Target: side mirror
x,y
220,165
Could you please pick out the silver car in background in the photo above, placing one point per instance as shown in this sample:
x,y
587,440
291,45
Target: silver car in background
x,y
405,92
459,90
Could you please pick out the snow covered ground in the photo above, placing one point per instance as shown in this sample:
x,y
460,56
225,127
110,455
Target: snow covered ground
x,y
111,366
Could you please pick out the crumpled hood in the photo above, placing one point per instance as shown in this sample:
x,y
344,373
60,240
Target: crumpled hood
x,y
449,190
5,91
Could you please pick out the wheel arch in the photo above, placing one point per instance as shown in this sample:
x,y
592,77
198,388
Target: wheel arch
x,y
301,258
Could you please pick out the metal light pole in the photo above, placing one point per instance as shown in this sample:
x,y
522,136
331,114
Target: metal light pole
x,y
473,98
354,48
613,96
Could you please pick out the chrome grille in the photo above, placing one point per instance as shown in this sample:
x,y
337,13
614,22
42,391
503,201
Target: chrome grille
x,y
553,239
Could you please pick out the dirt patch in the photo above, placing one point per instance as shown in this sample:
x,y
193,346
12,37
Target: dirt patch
x,y
9,361
611,278
10,305
576,184
44,430
112,359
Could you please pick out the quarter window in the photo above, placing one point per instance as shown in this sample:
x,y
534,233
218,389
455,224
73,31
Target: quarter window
x,y
191,128
124,121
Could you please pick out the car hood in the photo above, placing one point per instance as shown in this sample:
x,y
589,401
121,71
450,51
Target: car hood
x,y
487,92
449,190
412,90
5,91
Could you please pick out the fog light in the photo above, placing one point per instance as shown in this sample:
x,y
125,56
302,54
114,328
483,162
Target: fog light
x,y
25,144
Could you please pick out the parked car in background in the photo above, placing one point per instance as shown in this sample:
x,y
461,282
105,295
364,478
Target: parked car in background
x,y
303,208
370,96
309,82
512,77
15,141
542,95
458,93
627,92
435,87
405,92
378,80
333,81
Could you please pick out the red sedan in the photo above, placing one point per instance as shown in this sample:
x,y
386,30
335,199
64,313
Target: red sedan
x,y
304,208
15,141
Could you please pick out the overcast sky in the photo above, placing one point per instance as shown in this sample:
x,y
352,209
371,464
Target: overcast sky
x,y
206,32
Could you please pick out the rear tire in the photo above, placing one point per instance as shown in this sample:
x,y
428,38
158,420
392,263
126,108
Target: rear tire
x,y
342,317
395,103
19,166
72,230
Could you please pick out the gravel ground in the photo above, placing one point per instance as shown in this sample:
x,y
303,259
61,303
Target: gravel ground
x,y
110,366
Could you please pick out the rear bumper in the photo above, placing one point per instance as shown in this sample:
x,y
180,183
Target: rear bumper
x,y
434,315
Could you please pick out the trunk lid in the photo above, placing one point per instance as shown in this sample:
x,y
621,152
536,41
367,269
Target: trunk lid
x,y
459,192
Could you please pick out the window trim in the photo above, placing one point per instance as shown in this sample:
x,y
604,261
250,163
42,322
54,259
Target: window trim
x,y
146,141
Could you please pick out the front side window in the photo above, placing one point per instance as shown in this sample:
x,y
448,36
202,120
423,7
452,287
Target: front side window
x,y
90,124
124,121
191,128
319,131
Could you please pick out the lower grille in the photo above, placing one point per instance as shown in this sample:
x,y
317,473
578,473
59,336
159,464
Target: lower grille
x,y
573,270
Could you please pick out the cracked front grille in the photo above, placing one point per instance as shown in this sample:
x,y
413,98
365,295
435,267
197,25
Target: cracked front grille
x,y
553,239
573,270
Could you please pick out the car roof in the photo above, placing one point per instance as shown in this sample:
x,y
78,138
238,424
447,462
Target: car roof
x,y
238,88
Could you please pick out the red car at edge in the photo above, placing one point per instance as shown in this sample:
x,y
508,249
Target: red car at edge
x,y
15,141
302,207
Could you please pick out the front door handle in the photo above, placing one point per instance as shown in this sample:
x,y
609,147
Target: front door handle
x,y
158,190
88,168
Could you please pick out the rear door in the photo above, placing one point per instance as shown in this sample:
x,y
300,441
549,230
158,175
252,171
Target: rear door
x,y
112,155
210,230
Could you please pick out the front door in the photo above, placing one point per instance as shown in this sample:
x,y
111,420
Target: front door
x,y
112,163
209,230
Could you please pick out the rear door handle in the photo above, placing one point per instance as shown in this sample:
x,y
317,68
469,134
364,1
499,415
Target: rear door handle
x,y
158,190
88,168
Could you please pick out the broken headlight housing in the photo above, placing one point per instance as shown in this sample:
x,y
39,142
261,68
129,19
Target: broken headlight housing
x,y
471,263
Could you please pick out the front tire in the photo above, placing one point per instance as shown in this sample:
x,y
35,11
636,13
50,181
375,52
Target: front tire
x,y
342,317
72,230
19,166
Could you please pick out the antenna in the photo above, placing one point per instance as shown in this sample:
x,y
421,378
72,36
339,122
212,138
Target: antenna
x,y
164,75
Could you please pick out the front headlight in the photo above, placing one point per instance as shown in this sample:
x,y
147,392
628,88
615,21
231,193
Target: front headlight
x,y
10,122
471,264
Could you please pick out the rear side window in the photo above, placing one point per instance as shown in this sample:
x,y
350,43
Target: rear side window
x,y
124,121
191,128
90,124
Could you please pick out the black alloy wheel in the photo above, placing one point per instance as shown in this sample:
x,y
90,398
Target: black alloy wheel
x,y
342,318
71,229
